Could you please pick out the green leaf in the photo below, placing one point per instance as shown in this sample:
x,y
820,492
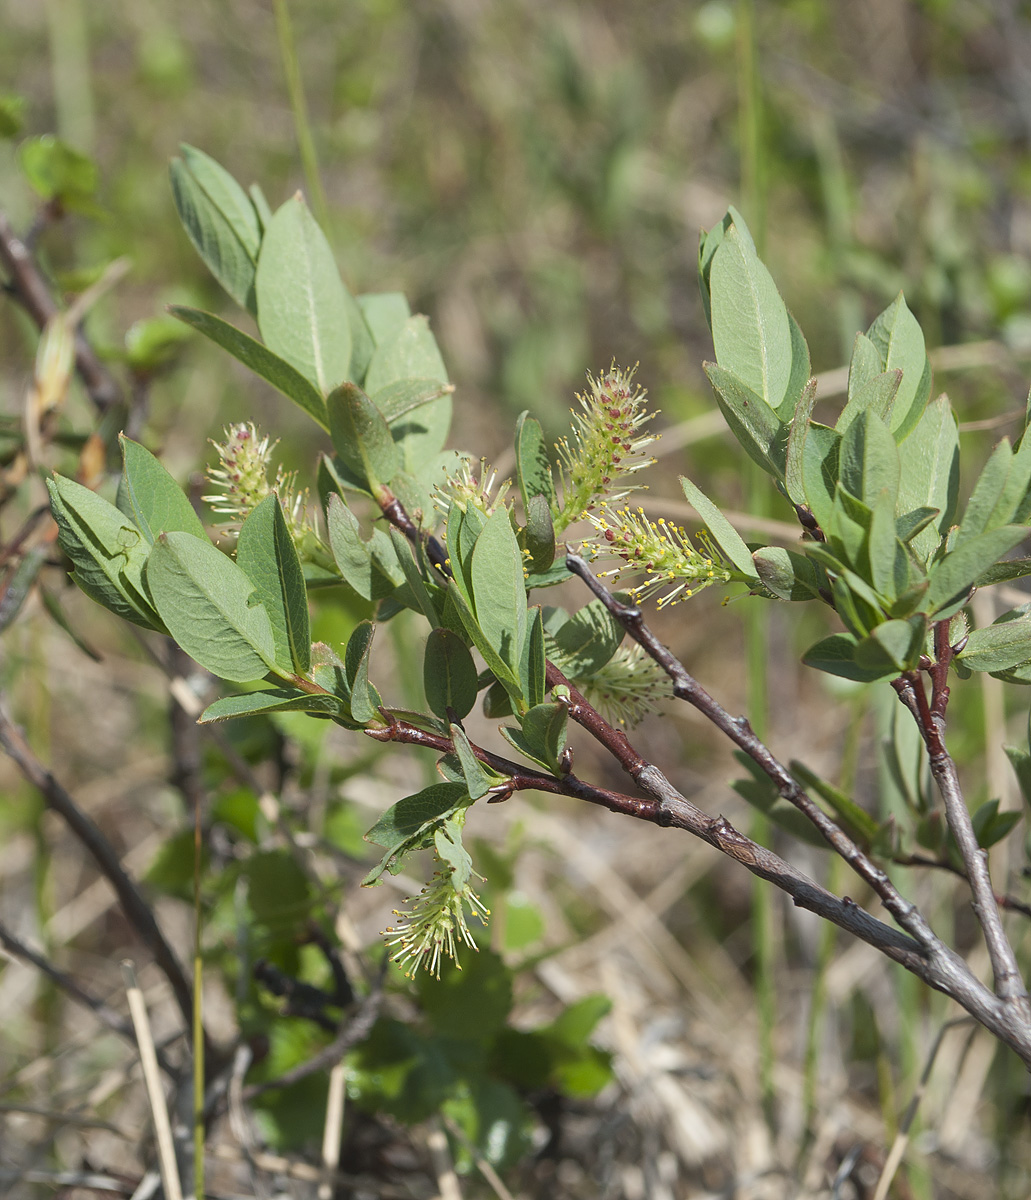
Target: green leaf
x,y
413,576
12,115
587,641
408,825
877,395
910,524
371,568
538,535
449,674
108,552
533,666
501,670
477,779
151,498
499,595
210,607
724,534
213,235
412,353
542,737
751,330
820,471
990,825
459,545
929,478
763,436
227,196
399,399
953,576
794,477
869,459
261,205
385,313
709,243
533,467
278,891
1005,644
892,647
303,309
365,700
260,359
787,574
1003,572
864,366
889,570
361,436
273,700
899,340
836,655
265,552
1021,763
471,1003
988,489
57,171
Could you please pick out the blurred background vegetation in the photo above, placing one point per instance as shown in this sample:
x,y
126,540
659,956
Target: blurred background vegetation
x,y
533,176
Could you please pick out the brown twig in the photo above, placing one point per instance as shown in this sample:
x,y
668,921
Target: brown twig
x,y
104,1013
351,1031
30,288
935,962
930,718
133,904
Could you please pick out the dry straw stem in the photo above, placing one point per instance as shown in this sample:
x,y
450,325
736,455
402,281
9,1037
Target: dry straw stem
x,y
152,1080
1006,1014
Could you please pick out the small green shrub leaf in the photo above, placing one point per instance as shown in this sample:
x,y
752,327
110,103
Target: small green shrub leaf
x,y
412,353
303,309
260,359
762,435
211,608
371,568
151,498
385,313
227,196
499,594
365,700
409,824
836,655
213,236
587,641
877,395
449,674
723,533
751,330
929,459
953,576
869,459
107,550
361,436
787,574
265,552
998,647
794,475
533,467
899,340
274,700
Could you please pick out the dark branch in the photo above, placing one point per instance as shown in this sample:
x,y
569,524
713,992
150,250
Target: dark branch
x,y
30,288
133,904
